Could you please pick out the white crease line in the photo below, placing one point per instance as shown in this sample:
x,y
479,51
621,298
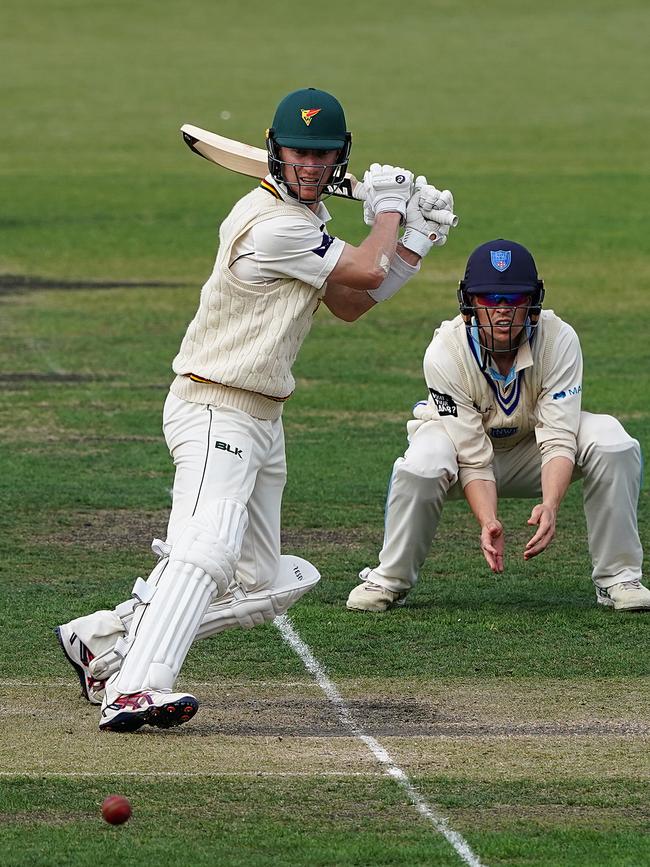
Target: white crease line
x,y
389,767
223,684
158,774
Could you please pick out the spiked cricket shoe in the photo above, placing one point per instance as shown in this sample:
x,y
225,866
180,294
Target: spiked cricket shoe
x,y
128,713
80,657
369,596
627,596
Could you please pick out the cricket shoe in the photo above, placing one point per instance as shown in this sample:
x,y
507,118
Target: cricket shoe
x,y
163,710
369,596
627,596
80,657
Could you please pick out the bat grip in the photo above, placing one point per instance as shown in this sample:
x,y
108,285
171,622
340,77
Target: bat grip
x,y
359,192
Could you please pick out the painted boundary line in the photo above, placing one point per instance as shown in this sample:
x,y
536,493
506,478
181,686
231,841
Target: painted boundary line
x,y
291,637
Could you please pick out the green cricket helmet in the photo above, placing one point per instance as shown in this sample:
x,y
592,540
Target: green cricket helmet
x,y
309,119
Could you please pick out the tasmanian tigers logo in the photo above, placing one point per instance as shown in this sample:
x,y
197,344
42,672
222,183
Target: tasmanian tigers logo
x,y
308,114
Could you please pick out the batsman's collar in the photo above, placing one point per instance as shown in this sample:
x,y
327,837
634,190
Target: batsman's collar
x,y
277,191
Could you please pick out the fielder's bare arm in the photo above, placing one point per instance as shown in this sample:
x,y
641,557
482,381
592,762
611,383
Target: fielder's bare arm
x,y
220,565
504,419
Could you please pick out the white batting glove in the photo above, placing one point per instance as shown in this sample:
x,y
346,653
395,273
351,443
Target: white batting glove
x,y
388,189
421,232
430,227
432,199
438,207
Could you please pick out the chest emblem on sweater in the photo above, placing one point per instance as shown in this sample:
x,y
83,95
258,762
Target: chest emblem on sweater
x,y
445,403
324,246
500,432
226,447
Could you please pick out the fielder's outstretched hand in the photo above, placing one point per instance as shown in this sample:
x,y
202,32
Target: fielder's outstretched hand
x,y
493,545
543,517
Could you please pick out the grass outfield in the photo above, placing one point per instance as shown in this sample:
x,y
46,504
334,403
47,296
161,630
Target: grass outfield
x,y
515,706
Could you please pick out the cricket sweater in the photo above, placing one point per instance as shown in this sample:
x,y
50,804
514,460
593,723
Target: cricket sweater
x,y
241,345
542,395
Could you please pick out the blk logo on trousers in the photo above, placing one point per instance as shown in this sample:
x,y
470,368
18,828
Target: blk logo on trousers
x,y
226,447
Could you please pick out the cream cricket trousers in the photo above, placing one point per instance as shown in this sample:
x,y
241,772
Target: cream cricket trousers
x,y
221,452
608,460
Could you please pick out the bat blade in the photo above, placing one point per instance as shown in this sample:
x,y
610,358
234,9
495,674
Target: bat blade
x,y
226,152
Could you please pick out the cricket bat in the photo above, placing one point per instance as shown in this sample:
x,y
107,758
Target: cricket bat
x,y
253,162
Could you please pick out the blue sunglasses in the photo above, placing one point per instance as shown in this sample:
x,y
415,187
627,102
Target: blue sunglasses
x,y
501,299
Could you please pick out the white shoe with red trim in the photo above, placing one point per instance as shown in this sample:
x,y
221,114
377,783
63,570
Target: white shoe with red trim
x,y
127,713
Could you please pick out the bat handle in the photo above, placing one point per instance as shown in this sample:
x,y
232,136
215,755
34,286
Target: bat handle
x,y
357,188
358,191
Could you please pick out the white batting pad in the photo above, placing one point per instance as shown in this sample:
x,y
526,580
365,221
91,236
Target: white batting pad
x,y
239,609
98,631
295,578
201,565
166,629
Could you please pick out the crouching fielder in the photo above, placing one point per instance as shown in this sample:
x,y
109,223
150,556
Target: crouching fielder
x,y
504,419
220,565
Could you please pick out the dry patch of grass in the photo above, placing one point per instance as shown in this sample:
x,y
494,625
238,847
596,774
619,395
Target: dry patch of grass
x,y
105,529
108,529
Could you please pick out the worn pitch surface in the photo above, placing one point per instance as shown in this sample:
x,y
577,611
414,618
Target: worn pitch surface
x,y
472,729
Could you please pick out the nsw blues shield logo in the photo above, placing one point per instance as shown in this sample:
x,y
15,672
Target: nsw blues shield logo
x,y
500,259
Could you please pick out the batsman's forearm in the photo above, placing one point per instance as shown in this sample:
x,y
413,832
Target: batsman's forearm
x,y
408,255
365,267
345,303
380,245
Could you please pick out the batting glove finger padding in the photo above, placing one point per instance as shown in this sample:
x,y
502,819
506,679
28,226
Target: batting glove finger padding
x,y
368,212
425,230
432,199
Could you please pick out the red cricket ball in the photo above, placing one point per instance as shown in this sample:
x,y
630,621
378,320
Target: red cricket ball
x,y
116,809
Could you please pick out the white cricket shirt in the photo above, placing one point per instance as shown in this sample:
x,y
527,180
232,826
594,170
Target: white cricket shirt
x,y
289,245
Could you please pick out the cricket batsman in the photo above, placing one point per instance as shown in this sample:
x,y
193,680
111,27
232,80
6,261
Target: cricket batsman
x,y
220,566
504,419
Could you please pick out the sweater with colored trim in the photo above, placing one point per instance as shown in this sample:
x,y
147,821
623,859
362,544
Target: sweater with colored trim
x,y
244,338
481,414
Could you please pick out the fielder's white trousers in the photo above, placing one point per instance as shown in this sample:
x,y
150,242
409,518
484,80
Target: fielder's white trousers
x,y
608,460
220,452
